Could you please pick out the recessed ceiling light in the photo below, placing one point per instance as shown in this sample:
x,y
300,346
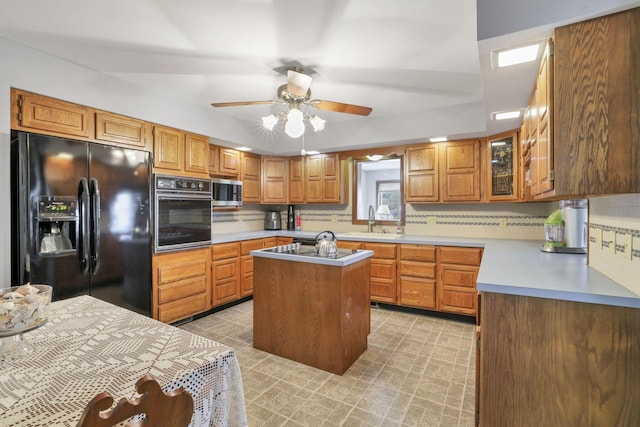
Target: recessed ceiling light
x,y
244,148
312,153
504,115
518,55
438,139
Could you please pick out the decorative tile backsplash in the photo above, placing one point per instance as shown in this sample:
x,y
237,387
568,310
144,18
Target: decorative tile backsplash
x,y
502,220
614,238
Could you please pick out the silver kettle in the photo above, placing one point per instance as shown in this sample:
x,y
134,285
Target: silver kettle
x,y
326,244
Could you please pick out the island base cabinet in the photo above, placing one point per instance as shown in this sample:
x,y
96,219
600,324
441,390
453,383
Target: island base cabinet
x,y
547,362
312,313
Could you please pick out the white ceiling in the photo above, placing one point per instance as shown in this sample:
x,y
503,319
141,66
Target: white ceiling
x,y
417,63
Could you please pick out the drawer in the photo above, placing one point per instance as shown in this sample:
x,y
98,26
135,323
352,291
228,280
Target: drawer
x,y
225,250
458,276
247,246
181,289
171,273
284,241
458,255
418,253
179,309
383,269
382,250
418,292
269,242
418,269
349,244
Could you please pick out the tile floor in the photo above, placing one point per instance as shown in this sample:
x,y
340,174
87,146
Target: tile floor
x,y
418,370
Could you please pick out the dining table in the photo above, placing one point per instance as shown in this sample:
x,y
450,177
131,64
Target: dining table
x,y
89,346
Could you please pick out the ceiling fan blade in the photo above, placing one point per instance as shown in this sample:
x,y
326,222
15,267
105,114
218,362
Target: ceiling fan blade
x,y
298,83
238,104
339,107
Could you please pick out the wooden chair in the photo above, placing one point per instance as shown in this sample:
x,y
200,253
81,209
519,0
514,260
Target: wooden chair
x,y
171,409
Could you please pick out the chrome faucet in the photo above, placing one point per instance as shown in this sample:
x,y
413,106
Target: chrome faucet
x,y
372,219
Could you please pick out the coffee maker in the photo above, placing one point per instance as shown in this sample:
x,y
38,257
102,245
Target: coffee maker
x,y
565,230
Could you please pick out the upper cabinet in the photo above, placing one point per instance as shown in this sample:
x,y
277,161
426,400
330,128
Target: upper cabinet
x,y
224,161
502,164
123,131
587,111
324,179
296,179
250,176
196,154
421,174
175,151
37,113
274,179
460,172
443,172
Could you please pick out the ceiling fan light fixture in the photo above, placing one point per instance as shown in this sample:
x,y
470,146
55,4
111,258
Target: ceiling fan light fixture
x,y
298,83
317,123
295,125
269,122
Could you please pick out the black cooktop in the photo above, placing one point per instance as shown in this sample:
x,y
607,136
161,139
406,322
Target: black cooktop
x,y
309,251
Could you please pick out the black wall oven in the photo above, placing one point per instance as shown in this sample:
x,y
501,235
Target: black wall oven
x,y
182,213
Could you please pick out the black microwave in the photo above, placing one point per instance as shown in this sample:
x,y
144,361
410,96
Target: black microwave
x,y
226,192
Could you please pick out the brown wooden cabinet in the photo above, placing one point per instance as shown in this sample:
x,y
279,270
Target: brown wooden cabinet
x,y
456,283
275,181
224,161
502,164
196,150
123,131
296,179
324,181
460,171
32,112
421,174
383,271
225,273
553,363
596,108
251,177
269,242
177,152
180,284
417,276
246,265
168,149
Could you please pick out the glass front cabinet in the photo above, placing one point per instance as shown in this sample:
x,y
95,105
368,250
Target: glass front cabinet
x,y
503,169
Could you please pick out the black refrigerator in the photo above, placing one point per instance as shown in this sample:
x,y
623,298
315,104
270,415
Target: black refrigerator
x,y
81,219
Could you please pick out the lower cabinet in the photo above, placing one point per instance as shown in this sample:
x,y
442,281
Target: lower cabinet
x,y
417,276
246,265
457,273
180,284
383,272
225,269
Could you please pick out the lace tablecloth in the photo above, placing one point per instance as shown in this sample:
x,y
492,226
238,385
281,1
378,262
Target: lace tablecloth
x,y
89,346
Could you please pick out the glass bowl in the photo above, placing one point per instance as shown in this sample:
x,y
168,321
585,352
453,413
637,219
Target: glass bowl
x,y
22,309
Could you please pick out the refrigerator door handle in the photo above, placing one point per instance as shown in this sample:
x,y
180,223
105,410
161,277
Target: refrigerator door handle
x,y
95,225
84,225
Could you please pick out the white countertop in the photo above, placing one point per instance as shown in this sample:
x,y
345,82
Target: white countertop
x,y
516,267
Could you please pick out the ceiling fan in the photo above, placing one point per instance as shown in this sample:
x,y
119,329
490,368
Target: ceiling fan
x,y
296,92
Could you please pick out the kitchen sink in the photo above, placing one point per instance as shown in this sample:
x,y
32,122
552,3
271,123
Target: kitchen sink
x,y
365,234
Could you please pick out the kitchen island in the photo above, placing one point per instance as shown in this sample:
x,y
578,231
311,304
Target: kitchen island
x,y
310,309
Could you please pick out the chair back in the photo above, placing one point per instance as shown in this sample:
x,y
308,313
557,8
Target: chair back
x,y
173,409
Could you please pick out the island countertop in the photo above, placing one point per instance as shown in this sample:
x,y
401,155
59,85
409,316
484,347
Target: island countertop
x,y
357,256
516,267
